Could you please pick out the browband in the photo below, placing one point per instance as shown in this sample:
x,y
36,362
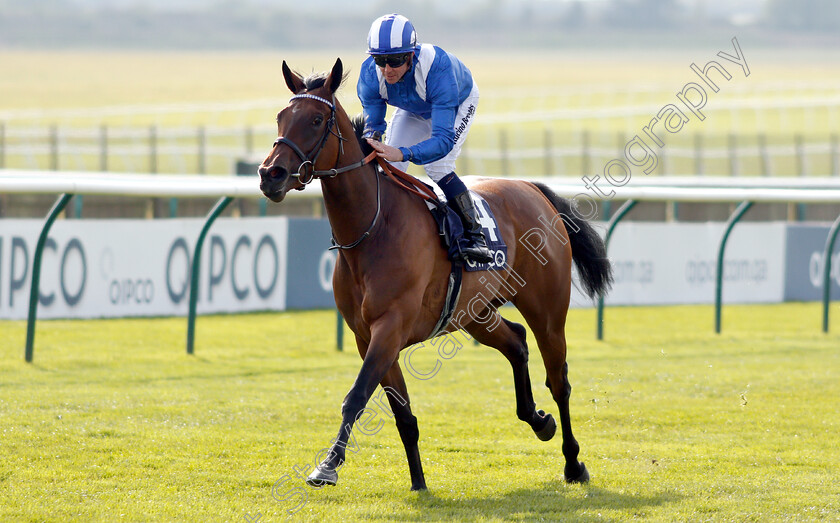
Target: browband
x,y
313,97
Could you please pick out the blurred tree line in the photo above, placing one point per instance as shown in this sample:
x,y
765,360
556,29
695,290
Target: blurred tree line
x,y
260,24
804,15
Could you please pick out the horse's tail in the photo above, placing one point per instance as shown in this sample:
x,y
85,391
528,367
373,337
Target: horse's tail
x,y
588,249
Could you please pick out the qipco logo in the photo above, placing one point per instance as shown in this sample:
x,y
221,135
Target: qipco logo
x,y
131,291
65,264
326,267
816,268
178,270
244,266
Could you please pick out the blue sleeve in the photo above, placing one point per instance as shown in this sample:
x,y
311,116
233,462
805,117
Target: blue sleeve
x,y
373,105
442,94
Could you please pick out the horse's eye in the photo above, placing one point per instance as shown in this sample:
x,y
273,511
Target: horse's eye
x,y
318,120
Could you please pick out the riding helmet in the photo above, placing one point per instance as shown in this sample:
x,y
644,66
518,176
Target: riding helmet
x,y
391,34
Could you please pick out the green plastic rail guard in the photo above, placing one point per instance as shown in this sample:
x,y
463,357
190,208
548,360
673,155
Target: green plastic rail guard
x,y
57,207
339,331
619,214
742,208
217,209
826,280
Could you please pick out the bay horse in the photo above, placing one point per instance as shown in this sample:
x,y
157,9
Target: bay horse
x,y
391,274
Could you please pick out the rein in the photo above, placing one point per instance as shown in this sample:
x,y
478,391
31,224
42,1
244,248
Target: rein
x,y
402,179
405,182
411,184
336,245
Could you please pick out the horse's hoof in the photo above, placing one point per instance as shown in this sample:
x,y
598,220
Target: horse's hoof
x,y
547,432
582,477
321,477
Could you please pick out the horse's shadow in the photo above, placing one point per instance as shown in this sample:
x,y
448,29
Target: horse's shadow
x,y
546,502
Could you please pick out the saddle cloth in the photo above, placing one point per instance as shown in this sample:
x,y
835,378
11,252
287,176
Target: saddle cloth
x,y
451,231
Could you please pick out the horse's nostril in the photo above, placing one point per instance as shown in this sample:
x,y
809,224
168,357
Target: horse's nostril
x,y
272,171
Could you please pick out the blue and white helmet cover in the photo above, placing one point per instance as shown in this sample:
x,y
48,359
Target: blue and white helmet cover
x,y
391,34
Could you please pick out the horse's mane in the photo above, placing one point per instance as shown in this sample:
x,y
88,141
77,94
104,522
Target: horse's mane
x,y
358,122
316,80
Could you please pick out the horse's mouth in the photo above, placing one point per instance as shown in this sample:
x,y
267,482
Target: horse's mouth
x,y
276,196
273,191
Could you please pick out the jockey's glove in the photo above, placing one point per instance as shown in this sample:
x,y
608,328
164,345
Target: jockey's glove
x,y
373,135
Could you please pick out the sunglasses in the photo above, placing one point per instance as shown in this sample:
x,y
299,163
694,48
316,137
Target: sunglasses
x,y
394,60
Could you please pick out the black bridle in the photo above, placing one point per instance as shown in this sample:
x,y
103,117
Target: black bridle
x,y
308,163
306,172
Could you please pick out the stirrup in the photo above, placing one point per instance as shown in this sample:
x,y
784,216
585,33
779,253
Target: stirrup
x,y
476,249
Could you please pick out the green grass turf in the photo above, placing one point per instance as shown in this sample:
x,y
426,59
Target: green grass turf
x,y
113,421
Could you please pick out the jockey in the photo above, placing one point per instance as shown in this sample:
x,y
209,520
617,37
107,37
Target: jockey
x,y
435,99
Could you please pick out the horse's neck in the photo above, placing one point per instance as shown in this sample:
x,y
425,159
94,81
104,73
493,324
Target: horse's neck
x,y
351,198
352,204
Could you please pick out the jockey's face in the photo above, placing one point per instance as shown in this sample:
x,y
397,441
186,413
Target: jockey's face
x,y
394,74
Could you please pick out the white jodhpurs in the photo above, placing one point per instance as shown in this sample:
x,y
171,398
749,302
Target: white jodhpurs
x,y
406,129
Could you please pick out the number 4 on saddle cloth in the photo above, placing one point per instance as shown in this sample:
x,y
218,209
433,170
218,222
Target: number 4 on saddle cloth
x,y
451,231
450,227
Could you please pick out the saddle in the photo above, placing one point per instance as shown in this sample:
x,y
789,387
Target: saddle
x,y
450,228
451,234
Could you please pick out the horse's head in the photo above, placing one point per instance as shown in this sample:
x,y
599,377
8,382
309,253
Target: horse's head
x,y
303,131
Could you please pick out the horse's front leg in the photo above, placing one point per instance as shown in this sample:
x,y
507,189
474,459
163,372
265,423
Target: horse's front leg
x,y
382,352
394,386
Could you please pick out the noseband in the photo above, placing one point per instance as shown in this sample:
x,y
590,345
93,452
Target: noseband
x,y
307,162
306,172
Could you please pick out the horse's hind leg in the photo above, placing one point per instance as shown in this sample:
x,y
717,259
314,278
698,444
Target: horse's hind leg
x,y
509,339
393,385
574,471
549,329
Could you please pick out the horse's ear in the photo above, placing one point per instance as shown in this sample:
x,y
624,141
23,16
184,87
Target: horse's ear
x,y
336,75
294,81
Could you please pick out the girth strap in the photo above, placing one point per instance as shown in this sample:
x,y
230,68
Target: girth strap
x,y
453,293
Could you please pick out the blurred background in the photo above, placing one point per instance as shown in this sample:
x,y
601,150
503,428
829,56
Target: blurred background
x,y
331,24
188,86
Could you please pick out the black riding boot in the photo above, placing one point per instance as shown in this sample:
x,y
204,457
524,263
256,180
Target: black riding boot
x,y
476,249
